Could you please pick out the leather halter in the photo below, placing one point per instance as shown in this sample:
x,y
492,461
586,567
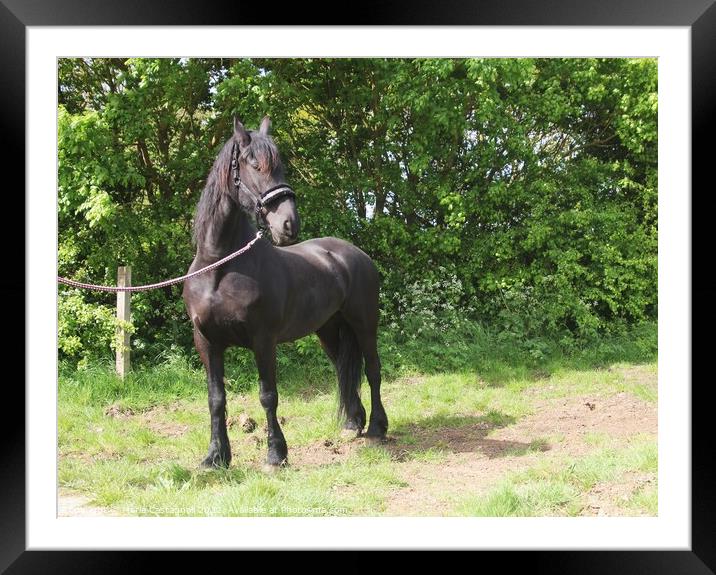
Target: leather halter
x,y
267,197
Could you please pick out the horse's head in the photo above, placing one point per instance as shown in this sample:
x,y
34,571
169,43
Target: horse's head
x,y
262,187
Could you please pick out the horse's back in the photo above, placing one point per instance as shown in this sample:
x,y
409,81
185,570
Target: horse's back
x,y
348,251
331,250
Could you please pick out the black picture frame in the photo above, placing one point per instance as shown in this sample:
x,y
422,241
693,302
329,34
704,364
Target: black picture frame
x,y
17,15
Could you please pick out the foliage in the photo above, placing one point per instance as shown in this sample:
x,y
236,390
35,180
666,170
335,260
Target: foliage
x,y
522,192
429,308
85,331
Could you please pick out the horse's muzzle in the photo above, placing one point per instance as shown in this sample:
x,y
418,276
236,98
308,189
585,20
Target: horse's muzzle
x,y
290,230
287,236
283,220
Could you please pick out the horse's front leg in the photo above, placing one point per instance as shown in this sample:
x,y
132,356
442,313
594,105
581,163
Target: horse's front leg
x,y
213,358
265,354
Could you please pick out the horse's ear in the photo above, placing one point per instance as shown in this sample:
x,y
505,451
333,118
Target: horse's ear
x,y
265,126
241,132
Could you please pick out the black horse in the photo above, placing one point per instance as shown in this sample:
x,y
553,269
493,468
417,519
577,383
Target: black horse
x,y
270,295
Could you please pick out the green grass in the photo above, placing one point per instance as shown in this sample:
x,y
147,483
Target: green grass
x,y
133,446
561,487
333,490
617,378
529,499
644,500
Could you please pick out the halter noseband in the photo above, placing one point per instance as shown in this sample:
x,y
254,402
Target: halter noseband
x,y
266,197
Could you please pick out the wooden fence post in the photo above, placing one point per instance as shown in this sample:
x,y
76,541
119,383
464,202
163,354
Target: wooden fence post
x,y
124,279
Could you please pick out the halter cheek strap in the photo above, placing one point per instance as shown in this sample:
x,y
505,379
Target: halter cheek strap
x,y
267,197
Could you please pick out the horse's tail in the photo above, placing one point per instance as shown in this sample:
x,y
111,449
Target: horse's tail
x,y
349,365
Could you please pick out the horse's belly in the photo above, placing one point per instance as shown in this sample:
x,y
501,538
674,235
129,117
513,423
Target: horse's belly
x,y
307,317
297,332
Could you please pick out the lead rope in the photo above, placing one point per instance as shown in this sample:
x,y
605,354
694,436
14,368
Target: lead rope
x,y
166,283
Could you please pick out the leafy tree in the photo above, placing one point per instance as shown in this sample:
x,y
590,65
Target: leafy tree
x,y
530,183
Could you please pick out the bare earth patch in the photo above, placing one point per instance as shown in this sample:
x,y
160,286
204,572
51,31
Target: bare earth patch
x,y
155,419
474,461
618,416
608,498
325,453
118,412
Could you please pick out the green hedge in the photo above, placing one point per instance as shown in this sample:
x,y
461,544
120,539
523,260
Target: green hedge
x,y
518,192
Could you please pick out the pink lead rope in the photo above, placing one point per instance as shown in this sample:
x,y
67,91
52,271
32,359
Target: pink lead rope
x,y
164,283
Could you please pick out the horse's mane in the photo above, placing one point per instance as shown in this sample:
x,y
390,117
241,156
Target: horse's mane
x,y
218,183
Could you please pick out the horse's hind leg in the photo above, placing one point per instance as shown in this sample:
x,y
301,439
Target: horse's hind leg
x,y
378,423
365,327
213,358
265,355
328,336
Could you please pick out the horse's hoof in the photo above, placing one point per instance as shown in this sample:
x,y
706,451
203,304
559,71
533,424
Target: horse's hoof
x,y
378,429
214,462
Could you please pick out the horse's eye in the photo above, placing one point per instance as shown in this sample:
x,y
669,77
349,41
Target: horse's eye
x,y
254,163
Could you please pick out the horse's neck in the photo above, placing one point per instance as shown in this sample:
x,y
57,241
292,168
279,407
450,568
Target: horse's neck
x,y
231,230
